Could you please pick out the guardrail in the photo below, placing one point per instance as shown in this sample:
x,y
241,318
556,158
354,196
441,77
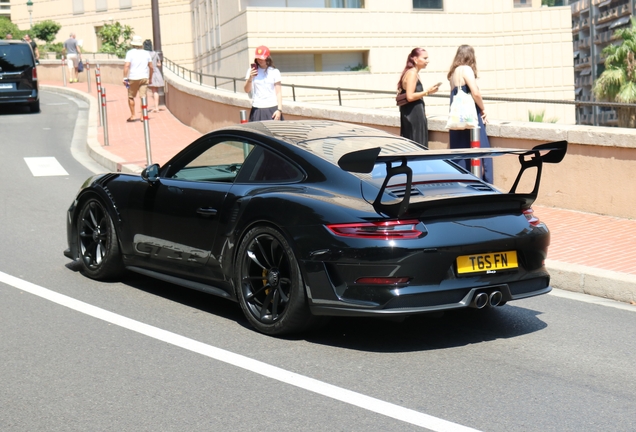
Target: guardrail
x,y
221,81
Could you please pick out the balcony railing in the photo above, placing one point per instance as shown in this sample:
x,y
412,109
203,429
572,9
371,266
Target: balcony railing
x,y
607,15
219,82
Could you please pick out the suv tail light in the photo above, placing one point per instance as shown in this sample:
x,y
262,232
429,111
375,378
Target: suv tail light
x,y
34,73
385,230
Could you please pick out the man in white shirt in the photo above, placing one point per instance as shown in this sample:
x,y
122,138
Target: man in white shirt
x,y
137,73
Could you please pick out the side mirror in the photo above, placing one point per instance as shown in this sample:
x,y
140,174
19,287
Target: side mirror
x,y
151,173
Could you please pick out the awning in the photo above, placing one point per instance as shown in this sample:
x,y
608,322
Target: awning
x,y
620,22
605,3
586,72
576,54
604,25
578,91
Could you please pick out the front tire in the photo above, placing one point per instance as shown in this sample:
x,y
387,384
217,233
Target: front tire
x,y
270,290
97,242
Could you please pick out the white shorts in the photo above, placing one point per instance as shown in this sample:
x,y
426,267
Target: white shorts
x,y
72,60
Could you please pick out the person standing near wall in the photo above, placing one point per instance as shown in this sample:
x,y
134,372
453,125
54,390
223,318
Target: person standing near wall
x,y
463,74
137,73
413,123
34,47
73,55
263,81
157,79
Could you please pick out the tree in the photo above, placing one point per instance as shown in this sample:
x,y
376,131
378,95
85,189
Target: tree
x,y
618,82
6,26
46,30
116,38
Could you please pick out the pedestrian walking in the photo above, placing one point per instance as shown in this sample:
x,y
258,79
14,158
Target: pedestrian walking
x,y
137,73
157,79
463,74
73,54
413,123
263,81
34,47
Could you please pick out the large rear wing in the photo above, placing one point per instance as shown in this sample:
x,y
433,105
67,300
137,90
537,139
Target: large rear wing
x,y
363,161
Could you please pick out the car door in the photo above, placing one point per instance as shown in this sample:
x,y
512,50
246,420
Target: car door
x,y
187,202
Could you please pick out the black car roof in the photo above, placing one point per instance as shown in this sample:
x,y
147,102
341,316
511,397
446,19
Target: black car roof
x,y
300,131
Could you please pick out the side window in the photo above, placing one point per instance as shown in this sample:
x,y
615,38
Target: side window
x,y
264,166
219,163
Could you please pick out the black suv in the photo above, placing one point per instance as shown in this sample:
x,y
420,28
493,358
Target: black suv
x,y
18,75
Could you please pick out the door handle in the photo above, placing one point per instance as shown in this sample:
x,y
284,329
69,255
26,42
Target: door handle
x,y
206,212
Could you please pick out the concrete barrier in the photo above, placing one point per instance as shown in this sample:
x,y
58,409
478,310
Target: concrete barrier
x,y
598,175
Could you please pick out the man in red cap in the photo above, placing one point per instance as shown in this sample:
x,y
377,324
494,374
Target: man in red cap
x,y
262,80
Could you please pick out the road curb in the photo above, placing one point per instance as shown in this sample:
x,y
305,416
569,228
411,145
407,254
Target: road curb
x,y
95,150
589,280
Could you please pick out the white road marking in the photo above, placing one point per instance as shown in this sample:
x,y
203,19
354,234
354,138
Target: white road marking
x,y
347,396
45,166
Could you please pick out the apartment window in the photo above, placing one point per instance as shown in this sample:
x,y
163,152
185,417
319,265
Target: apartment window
x,y
522,3
340,4
78,7
428,4
101,5
320,62
125,4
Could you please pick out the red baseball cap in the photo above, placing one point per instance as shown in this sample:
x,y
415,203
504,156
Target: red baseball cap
x,y
262,52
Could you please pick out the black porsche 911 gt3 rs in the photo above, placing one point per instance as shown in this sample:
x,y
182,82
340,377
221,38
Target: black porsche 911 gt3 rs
x,y
296,220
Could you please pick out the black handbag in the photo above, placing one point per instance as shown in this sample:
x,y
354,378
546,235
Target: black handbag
x,y
80,66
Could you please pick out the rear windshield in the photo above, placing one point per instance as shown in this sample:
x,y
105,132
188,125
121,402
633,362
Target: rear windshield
x,y
15,57
333,148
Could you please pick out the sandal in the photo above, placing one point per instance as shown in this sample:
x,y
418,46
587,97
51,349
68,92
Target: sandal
x,y
130,120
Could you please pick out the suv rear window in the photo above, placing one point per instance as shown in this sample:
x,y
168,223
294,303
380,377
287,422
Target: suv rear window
x,y
15,57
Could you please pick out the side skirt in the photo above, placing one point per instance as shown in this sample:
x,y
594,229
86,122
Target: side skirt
x,y
182,282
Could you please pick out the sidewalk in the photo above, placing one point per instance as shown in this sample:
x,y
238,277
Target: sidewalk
x,y
589,253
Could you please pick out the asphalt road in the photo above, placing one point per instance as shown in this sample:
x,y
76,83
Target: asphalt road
x,y
142,355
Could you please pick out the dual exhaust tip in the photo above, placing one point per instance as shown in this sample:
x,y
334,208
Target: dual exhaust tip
x,y
483,299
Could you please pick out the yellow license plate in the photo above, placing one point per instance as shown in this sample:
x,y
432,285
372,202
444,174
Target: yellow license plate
x,y
488,263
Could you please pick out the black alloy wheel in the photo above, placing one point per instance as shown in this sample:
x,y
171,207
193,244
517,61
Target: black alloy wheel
x,y
271,291
97,242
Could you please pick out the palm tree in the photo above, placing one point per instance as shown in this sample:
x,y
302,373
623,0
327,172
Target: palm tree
x,y
618,82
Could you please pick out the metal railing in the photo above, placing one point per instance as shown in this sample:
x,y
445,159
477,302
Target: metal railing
x,y
220,81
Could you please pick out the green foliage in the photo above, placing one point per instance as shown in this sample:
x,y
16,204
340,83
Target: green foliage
x,y
539,117
359,67
116,38
46,30
52,47
6,26
617,82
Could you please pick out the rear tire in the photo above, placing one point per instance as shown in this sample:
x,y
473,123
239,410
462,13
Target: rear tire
x,y
97,242
35,107
270,290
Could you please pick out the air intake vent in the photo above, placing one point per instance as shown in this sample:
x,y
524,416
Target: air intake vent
x,y
399,191
481,187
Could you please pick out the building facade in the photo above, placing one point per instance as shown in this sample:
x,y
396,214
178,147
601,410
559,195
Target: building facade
x,y
594,23
523,50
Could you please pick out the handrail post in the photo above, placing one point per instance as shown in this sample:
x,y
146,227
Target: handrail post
x,y
105,123
144,118
339,97
475,142
293,93
215,81
234,80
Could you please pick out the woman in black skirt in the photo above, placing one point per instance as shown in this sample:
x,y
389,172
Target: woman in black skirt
x,y
413,124
263,82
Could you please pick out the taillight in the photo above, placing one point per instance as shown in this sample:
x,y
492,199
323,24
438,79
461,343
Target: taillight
x,y
385,230
532,219
34,74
